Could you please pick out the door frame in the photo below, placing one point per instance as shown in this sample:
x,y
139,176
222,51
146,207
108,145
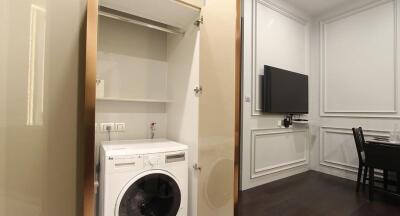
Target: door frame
x,y
89,107
238,103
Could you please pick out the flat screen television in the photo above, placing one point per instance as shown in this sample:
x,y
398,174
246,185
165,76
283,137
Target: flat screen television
x,y
284,91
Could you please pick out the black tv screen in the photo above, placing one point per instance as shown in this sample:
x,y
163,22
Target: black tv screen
x,y
284,91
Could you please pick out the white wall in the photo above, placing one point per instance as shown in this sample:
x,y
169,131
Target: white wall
x,y
183,111
131,40
275,34
359,46
354,81
133,62
132,77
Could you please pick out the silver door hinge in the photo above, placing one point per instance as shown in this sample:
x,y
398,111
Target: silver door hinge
x,y
198,90
196,167
199,21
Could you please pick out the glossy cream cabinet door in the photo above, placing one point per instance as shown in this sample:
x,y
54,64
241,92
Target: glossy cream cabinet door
x,y
39,68
217,109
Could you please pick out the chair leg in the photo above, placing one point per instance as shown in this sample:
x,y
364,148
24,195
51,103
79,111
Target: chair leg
x,y
359,177
365,177
385,179
371,183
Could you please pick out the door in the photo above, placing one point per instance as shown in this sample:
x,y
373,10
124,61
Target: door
x,y
39,70
217,108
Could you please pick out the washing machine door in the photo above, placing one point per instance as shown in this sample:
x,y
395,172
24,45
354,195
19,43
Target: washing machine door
x,y
150,194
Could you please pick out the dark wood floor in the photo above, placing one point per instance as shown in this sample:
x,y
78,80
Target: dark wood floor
x,y
314,194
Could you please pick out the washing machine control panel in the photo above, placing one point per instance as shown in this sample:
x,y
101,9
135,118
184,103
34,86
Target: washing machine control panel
x,y
146,161
151,161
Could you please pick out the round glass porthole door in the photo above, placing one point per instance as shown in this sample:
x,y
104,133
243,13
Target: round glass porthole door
x,y
152,195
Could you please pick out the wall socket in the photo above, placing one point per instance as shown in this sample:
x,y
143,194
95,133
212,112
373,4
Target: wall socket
x,y
120,127
114,127
104,126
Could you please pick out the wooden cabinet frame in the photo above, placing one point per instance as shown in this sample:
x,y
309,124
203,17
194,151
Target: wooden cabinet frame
x,y
89,105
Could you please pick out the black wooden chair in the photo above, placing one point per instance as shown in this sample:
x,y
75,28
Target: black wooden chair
x,y
381,156
363,167
360,142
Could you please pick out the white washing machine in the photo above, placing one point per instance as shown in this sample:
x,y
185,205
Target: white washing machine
x,y
143,177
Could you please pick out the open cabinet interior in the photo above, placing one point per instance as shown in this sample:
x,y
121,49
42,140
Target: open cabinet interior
x,y
166,70
147,70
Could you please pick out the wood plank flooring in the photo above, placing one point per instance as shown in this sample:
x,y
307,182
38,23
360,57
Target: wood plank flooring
x,y
314,194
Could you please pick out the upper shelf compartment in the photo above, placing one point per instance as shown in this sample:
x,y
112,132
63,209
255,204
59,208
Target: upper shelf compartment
x,y
177,13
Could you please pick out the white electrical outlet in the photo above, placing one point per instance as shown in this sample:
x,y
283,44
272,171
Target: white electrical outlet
x,y
120,127
104,126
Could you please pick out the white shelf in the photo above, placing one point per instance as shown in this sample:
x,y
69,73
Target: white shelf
x,y
174,13
133,100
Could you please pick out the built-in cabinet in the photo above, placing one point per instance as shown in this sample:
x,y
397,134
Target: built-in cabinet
x,y
173,63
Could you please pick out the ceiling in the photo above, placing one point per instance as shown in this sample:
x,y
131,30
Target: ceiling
x,y
317,7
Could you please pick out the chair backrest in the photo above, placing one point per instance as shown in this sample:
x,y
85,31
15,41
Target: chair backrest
x,y
360,131
383,156
360,142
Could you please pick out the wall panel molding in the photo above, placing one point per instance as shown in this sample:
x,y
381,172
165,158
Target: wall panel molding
x,y
325,111
283,11
255,110
278,167
324,130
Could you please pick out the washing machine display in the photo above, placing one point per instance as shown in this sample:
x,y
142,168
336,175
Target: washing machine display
x,y
152,195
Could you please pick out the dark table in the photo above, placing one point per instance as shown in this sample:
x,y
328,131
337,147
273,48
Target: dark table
x,y
387,142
